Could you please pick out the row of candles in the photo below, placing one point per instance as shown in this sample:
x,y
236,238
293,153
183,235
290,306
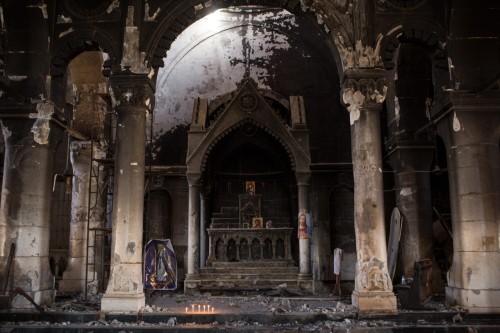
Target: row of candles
x,y
198,308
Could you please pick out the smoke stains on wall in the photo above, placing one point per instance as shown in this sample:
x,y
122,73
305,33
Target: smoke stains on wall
x,y
281,52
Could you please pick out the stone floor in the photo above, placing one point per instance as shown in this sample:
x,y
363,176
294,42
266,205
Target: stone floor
x,y
278,310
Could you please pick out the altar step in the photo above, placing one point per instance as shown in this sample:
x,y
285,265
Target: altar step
x,y
255,277
255,272
263,263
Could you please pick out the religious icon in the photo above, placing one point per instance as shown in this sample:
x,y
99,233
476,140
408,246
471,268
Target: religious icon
x,y
160,265
250,187
257,222
304,231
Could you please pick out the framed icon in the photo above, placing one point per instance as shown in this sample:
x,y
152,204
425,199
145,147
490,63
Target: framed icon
x,y
257,222
250,187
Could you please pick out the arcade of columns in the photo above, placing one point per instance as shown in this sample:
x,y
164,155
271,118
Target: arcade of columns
x,y
473,160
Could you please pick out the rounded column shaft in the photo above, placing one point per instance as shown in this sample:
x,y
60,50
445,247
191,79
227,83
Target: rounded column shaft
x,y
125,287
193,259
364,91
74,275
413,198
474,175
304,239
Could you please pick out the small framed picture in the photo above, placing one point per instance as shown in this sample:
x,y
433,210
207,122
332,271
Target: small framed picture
x,y
257,222
250,187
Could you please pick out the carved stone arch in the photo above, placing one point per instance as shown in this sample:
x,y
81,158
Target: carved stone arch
x,y
430,37
257,124
173,20
84,9
204,137
80,41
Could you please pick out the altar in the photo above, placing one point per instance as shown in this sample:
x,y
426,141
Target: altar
x,y
245,252
249,245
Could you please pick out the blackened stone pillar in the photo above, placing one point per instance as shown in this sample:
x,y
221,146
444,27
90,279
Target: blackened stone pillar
x,y
26,202
192,281
471,134
81,197
364,91
411,162
133,93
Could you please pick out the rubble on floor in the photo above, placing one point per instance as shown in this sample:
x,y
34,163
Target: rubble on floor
x,y
319,313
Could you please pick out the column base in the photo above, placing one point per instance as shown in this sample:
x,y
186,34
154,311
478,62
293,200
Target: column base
x,y
474,300
122,302
302,276
192,284
305,282
74,286
41,298
375,302
73,278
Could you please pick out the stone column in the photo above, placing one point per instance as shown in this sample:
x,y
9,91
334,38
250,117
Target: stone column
x,y
411,163
364,91
204,223
304,242
132,93
74,276
471,134
25,203
192,280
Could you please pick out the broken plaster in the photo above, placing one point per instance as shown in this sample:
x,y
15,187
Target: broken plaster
x,y
64,33
367,56
407,191
115,4
397,110
41,127
6,132
456,123
132,57
148,17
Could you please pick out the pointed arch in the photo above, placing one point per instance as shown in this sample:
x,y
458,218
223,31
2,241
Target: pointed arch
x,y
201,143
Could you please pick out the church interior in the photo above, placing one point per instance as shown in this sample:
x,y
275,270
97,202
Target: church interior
x,y
239,145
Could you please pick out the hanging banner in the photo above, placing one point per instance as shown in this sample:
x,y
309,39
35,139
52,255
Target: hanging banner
x,y
160,265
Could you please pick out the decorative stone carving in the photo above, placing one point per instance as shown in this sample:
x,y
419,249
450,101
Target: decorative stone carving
x,y
248,102
372,276
358,93
129,89
251,245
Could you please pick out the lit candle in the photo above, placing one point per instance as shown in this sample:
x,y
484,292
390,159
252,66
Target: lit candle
x,y
192,307
204,307
212,309
199,308
208,308
186,310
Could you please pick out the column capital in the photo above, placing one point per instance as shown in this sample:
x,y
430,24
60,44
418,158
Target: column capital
x,y
193,178
129,89
408,157
364,89
303,178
